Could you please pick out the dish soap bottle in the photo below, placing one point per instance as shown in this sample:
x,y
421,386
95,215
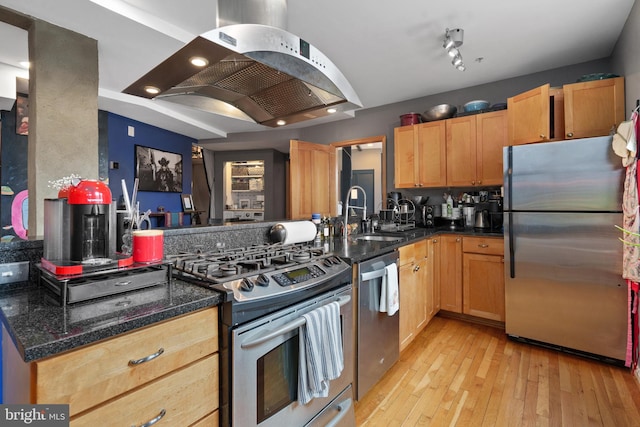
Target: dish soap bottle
x,y
449,206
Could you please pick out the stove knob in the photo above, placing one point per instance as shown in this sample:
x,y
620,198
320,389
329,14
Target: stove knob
x,y
262,280
246,285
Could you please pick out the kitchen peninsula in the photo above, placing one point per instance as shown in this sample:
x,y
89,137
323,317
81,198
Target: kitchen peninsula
x,y
36,331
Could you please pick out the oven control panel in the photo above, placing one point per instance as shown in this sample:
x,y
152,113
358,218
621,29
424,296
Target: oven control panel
x,y
280,281
298,275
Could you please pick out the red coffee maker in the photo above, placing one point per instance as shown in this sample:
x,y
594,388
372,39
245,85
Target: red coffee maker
x,y
80,230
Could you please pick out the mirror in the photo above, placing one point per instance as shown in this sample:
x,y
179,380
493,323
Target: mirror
x,y
362,162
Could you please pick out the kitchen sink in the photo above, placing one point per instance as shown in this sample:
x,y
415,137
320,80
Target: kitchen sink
x,y
380,238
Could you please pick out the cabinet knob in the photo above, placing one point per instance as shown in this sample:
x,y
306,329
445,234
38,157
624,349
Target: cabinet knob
x,y
542,136
435,240
416,268
484,245
473,183
457,239
479,182
570,135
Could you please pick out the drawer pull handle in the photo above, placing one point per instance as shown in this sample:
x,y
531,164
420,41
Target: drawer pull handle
x,y
153,421
127,283
146,359
484,245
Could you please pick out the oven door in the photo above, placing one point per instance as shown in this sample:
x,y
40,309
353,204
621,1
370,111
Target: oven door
x,y
264,371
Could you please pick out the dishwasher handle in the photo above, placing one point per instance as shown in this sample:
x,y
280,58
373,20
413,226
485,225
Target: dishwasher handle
x,y
370,275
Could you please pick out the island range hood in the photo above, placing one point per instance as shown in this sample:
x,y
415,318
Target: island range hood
x,y
250,71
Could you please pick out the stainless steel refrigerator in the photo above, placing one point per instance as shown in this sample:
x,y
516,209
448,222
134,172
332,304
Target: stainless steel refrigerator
x,y
563,259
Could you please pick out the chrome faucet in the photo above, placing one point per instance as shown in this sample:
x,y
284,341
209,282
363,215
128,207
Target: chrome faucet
x,y
347,207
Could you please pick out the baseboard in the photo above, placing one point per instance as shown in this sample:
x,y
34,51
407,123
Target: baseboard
x,y
471,319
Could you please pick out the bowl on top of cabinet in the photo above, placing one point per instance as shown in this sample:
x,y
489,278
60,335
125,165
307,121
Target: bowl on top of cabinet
x,y
476,105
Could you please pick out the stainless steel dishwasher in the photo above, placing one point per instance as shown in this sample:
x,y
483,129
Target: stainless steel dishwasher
x,y
378,344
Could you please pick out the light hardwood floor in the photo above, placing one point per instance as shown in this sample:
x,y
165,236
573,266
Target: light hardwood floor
x,y
462,374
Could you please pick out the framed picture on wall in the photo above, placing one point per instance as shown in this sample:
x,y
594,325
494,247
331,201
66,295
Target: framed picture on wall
x,y
22,114
158,170
187,202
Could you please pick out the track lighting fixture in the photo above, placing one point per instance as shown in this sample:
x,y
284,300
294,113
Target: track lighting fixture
x,y
452,42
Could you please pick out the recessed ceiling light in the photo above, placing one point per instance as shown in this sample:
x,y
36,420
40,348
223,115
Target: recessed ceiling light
x,y
281,123
152,90
199,61
331,110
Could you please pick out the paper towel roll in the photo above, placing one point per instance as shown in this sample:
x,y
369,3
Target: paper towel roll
x,y
293,232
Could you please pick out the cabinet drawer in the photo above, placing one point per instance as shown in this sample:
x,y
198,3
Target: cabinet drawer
x,y
93,374
185,395
483,245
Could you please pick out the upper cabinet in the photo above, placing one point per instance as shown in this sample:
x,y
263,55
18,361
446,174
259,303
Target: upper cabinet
x,y
474,149
420,156
593,108
465,151
577,110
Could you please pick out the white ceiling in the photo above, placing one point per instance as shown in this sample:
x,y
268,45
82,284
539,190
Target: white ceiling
x,y
389,51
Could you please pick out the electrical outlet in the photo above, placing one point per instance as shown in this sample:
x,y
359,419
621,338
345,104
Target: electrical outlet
x,y
114,165
131,131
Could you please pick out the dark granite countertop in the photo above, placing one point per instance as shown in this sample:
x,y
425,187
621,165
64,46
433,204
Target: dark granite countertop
x,y
39,327
355,250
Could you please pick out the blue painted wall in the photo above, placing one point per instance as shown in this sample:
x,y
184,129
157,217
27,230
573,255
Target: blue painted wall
x,y
122,151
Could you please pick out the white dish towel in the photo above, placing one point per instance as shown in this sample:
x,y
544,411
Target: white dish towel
x,y
389,296
320,357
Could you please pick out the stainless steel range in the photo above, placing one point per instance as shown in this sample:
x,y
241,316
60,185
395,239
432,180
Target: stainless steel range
x,y
268,289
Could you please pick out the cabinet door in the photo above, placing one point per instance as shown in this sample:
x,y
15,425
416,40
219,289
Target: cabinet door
x,y
451,273
433,277
483,286
406,279
461,151
593,108
422,296
404,157
312,179
529,116
491,131
432,156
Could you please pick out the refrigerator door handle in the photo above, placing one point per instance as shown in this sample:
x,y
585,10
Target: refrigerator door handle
x,y
512,251
509,185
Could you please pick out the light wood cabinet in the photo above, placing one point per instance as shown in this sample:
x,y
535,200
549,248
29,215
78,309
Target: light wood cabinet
x,y
420,155
577,110
474,149
450,273
593,108
312,180
433,277
483,277
414,295
102,381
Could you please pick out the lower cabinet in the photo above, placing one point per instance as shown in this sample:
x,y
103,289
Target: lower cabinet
x,y
433,277
167,371
483,277
451,273
414,296
472,276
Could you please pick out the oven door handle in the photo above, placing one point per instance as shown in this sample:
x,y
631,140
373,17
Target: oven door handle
x,y
294,324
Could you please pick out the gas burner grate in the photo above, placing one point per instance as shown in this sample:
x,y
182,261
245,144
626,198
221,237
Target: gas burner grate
x,y
222,265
